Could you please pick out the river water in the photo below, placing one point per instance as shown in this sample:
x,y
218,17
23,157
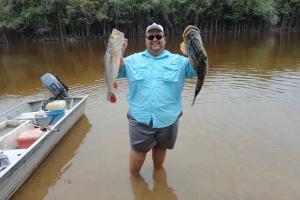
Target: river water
x,y
239,141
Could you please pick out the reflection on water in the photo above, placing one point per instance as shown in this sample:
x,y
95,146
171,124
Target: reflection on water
x,y
22,65
239,141
58,161
161,190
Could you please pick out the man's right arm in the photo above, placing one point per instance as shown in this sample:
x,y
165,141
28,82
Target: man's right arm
x,y
122,71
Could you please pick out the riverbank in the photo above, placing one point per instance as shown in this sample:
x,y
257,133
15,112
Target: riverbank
x,y
4,41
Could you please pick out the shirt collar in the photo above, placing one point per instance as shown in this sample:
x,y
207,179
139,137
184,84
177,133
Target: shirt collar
x,y
165,53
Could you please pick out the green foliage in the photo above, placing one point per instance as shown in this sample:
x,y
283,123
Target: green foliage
x,y
85,17
83,11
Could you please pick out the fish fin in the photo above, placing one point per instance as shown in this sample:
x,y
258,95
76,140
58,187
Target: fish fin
x,y
113,98
122,61
194,101
182,48
199,84
115,85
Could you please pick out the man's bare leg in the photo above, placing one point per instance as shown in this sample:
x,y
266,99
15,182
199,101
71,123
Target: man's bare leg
x,y
136,161
158,156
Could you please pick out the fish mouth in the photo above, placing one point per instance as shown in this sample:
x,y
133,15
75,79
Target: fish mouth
x,y
189,29
116,33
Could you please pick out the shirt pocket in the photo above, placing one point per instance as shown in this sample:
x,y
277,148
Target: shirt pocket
x,y
137,73
171,73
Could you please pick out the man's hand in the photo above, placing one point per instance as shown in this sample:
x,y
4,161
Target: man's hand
x,y
125,43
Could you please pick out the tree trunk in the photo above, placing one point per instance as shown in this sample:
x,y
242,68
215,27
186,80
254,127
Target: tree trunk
x,y
283,24
196,20
235,27
216,25
3,39
104,29
166,19
259,25
201,26
291,22
296,25
88,30
61,32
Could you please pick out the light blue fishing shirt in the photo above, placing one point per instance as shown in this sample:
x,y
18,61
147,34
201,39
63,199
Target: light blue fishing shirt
x,y
155,86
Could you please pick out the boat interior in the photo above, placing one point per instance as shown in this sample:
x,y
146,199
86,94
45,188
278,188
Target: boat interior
x,y
22,127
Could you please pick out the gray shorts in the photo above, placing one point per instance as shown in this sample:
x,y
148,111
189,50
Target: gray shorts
x,y
144,137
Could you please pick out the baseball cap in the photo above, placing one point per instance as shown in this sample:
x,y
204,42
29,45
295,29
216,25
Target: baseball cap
x,y
155,26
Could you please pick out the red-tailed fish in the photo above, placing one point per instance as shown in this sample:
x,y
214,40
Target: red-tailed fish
x,y
113,58
192,45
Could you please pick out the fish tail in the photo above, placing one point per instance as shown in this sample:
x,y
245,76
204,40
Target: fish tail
x,y
194,100
111,97
197,90
199,84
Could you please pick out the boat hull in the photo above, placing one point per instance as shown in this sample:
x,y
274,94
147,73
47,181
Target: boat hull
x,y
21,170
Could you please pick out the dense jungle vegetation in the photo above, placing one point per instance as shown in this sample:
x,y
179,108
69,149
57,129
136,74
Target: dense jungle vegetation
x,y
25,20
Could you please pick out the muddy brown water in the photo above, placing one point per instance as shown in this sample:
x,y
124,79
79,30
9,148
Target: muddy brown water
x,y
239,141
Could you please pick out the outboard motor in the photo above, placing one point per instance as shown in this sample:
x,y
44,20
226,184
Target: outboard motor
x,y
55,86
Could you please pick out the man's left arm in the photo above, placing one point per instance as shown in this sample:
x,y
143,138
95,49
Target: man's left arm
x,y
190,67
122,70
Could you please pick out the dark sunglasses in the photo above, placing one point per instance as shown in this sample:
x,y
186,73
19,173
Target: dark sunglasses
x,y
157,36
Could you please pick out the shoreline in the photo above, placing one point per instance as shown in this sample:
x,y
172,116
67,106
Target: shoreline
x,y
75,39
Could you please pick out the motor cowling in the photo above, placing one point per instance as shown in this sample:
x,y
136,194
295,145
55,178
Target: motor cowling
x,y
55,86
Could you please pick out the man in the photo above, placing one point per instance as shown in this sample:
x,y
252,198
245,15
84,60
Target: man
x,y
155,79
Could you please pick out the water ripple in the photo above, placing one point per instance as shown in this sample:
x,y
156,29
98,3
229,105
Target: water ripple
x,y
244,86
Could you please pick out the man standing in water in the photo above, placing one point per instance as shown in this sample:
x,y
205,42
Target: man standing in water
x,y
155,80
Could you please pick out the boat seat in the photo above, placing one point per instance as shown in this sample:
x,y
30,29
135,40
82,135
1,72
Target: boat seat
x,y
8,139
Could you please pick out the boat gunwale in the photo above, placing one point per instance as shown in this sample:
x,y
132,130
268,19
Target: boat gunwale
x,y
37,145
